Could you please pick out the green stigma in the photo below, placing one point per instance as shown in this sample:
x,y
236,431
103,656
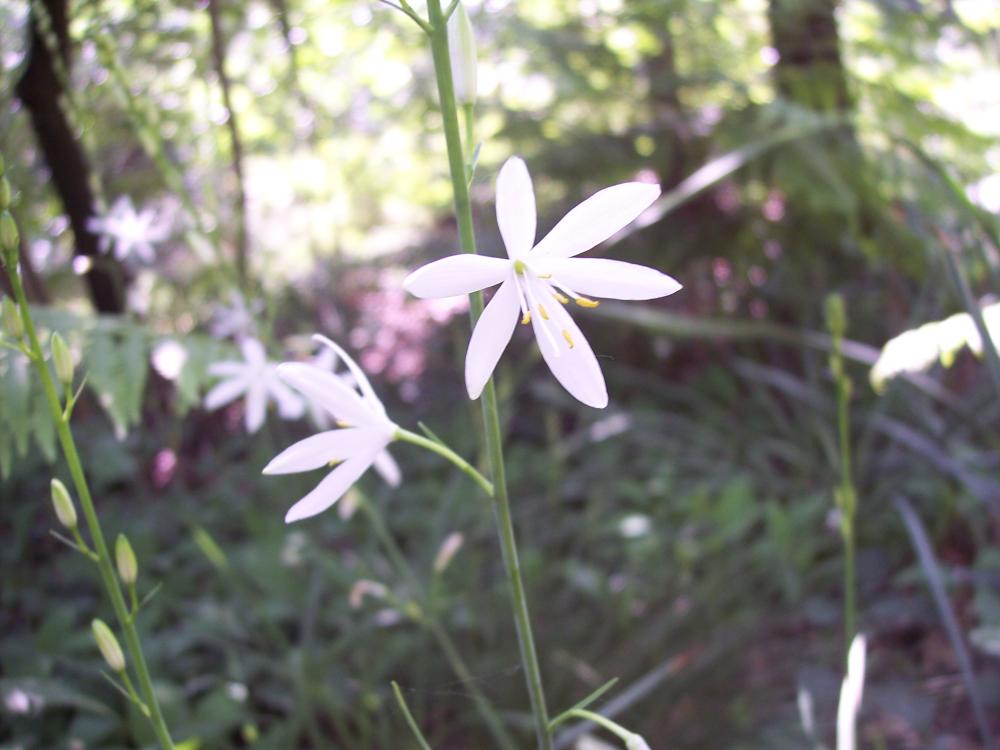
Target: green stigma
x,y
519,267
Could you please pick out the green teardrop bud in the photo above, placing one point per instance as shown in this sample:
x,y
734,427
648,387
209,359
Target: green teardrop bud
x,y
63,503
4,194
108,645
462,50
128,568
62,360
12,322
8,232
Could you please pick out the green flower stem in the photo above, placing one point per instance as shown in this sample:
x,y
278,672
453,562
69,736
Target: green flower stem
x,y
491,415
104,564
424,745
443,450
428,620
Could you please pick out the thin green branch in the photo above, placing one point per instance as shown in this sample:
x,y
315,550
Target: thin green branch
x,y
405,8
443,450
410,722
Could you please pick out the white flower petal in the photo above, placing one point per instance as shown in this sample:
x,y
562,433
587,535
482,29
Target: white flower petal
x,y
490,337
456,274
225,392
388,469
613,279
290,405
597,218
319,450
516,207
220,369
256,407
359,375
331,489
327,390
253,351
574,366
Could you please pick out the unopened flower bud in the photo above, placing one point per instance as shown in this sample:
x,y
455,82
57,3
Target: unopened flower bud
x,y
63,503
8,232
4,194
108,645
462,49
128,568
62,359
12,322
449,548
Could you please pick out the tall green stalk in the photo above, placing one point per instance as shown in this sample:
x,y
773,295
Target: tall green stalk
x,y
105,564
845,495
438,33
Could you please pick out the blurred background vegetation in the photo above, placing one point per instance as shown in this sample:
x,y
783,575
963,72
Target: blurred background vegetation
x,y
684,540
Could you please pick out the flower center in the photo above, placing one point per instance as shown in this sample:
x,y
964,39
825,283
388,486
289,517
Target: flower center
x,y
532,289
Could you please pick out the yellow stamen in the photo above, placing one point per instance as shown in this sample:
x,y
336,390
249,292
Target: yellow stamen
x,y
584,302
341,423
569,339
526,318
561,297
543,311
545,275
334,461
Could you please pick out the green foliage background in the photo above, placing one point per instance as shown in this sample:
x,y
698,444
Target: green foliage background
x,y
684,540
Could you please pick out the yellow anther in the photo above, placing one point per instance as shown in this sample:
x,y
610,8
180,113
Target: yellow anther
x,y
543,311
584,302
526,318
561,297
545,276
569,339
341,423
334,461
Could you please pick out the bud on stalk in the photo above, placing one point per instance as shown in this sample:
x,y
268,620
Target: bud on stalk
x,y
108,645
462,50
63,503
62,360
128,568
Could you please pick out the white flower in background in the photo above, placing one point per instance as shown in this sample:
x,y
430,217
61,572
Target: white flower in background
x,y
537,281
850,695
257,379
636,742
359,443
127,232
236,318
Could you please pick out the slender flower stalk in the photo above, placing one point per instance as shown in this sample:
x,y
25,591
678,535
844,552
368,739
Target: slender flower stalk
x,y
457,166
60,416
845,495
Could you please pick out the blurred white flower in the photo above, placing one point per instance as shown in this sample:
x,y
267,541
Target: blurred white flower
x,y
127,232
236,318
532,274
257,379
850,695
449,548
635,742
359,443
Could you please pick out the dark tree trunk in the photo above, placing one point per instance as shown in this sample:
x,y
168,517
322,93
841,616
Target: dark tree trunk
x,y
810,71
39,90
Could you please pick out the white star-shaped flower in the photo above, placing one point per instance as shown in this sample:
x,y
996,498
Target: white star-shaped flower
x,y
132,232
851,691
258,379
359,443
536,281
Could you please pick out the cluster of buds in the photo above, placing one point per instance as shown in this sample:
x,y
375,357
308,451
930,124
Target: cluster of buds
x,y
8,229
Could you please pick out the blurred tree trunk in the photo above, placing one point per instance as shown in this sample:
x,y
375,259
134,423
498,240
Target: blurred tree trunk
x,y
236,143
810,71
40,89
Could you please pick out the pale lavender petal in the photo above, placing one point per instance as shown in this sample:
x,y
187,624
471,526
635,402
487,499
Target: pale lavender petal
x,y
321,449
516,208
225,392
388,469
597,218
490,337
612,279
329,391
256,407
456,274
331,489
